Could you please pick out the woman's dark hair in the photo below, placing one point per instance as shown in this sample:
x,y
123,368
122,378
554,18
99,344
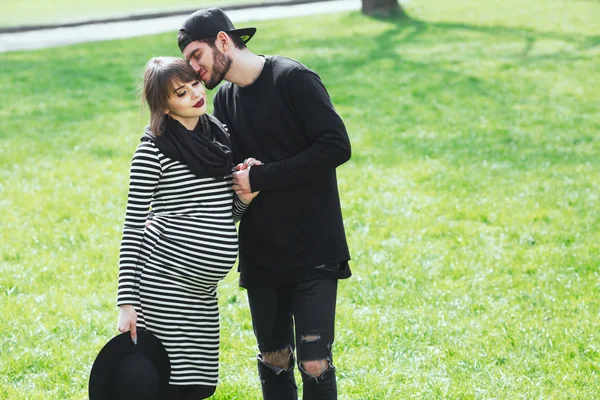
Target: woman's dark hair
x,y
159,78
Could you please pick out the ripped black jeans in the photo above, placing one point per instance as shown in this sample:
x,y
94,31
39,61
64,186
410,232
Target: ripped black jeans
x,y
310,306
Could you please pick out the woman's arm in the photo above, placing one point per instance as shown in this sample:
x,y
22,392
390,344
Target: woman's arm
x,y
241,201
144,175
239,208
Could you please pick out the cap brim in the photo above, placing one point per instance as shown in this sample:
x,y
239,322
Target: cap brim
x,y
119,347
244,33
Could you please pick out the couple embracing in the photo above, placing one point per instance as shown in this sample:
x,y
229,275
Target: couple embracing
x,y
267,158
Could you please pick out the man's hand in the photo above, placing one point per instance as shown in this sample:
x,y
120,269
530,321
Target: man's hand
x,y
128,321
241,182
241,178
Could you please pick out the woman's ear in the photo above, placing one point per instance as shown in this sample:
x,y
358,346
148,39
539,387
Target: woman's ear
x,y
166,111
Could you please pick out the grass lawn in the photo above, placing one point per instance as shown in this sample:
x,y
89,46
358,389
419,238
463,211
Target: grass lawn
x,y
471,203
19,12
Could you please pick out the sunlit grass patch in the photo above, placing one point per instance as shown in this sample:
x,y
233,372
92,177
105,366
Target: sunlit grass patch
x,y
470,203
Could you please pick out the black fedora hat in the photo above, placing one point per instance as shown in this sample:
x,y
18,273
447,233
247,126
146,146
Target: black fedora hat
x,y
123,370
209,22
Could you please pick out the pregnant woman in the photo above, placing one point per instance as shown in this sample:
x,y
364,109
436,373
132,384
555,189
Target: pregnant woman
x,y
179,238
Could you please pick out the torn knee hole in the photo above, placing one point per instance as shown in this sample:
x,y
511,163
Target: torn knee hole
x,y
315,368
280,358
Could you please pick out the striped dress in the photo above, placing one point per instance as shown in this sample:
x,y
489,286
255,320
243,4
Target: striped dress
x,y
173,256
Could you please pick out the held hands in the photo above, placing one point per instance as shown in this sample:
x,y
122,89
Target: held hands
x,y
128,321
241,180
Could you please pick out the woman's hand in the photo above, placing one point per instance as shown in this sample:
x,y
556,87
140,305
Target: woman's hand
x,y
128,321
247,164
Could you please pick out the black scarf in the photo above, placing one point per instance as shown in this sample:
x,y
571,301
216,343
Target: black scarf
x,y
206,150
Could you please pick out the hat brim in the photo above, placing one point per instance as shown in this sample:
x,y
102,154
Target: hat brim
x,y
244,33
119,347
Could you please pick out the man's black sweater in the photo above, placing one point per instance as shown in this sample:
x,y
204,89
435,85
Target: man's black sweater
x,y
293,230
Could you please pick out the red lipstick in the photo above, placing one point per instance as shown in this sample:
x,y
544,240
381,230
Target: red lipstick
x,y
199,104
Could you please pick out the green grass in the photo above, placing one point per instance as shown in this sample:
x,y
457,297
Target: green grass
x,y
19,12
470,202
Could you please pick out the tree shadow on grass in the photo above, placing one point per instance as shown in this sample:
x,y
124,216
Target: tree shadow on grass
x,y
413,64
530,36
578,43
445,60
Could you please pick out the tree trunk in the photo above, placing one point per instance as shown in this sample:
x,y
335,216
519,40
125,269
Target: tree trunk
x,y
381,8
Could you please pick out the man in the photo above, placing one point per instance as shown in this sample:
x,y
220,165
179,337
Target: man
x,y
293,247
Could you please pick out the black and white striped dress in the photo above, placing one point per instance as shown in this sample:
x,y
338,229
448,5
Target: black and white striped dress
x,y
172,258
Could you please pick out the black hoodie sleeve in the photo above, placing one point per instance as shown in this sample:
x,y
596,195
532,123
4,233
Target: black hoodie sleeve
x,y
330,145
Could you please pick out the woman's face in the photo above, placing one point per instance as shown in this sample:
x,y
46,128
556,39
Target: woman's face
x,y
187,101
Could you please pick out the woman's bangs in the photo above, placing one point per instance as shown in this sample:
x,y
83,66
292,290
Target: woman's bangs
x,y
181,73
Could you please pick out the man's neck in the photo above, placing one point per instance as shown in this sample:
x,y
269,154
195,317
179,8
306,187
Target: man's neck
x,y
245,68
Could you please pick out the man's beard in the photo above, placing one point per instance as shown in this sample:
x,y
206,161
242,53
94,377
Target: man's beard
x,y
221,65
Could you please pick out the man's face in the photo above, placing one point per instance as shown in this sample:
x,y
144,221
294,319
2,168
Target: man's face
x,y
210,63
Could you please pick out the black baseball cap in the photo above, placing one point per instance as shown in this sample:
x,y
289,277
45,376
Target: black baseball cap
x,y
209,22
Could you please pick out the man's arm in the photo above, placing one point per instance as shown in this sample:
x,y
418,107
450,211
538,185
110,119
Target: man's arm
x,y
330,145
